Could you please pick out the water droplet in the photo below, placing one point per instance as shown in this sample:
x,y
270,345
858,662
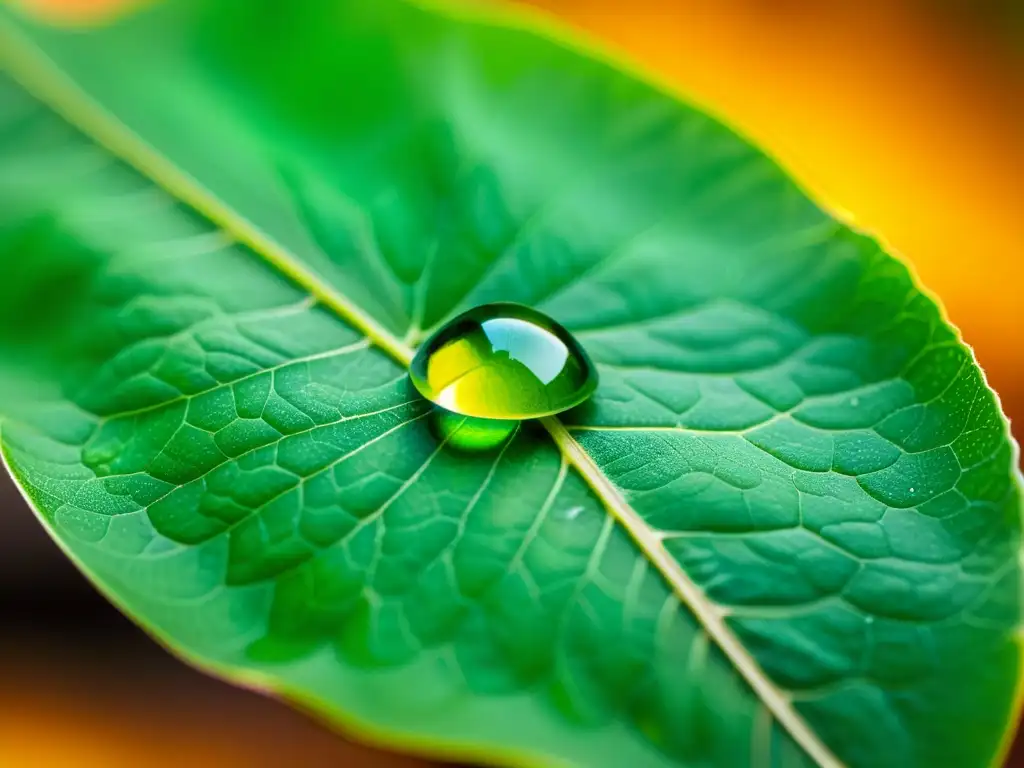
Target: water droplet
x,y
467,433
503,361
573,512
911,490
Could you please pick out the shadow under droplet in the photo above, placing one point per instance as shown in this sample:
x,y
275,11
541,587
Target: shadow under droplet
x,y
469,433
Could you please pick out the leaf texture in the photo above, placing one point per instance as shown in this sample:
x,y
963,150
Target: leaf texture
x,y
785,531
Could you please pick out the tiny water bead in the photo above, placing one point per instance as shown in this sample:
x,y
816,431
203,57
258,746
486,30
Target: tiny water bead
x,y
503,361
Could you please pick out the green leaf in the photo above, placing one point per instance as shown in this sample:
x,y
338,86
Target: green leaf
x,y
785,530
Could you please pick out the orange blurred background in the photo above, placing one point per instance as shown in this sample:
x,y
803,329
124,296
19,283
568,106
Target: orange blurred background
x,y
907,115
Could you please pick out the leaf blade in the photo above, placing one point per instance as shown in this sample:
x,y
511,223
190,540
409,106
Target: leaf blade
x,y
198,621
710,419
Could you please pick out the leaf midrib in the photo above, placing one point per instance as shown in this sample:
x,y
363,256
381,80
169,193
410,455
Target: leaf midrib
x,y
40,76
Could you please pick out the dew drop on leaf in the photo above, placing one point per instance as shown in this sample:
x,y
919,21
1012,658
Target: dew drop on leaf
x,y
503,361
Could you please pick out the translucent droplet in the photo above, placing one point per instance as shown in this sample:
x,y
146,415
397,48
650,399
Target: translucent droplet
x,y
503,361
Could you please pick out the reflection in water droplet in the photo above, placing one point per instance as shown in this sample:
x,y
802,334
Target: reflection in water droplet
x,y
503,361
468,433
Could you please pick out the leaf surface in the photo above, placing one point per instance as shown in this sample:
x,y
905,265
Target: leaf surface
x,y
785,530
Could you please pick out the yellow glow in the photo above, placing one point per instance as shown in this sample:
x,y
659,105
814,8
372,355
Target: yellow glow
x,y
905,119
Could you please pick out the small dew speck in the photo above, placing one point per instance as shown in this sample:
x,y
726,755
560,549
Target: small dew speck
x,y
855,401
911,490
573,512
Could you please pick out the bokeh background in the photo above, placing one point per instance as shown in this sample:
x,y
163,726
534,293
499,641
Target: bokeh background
x,y
906,115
